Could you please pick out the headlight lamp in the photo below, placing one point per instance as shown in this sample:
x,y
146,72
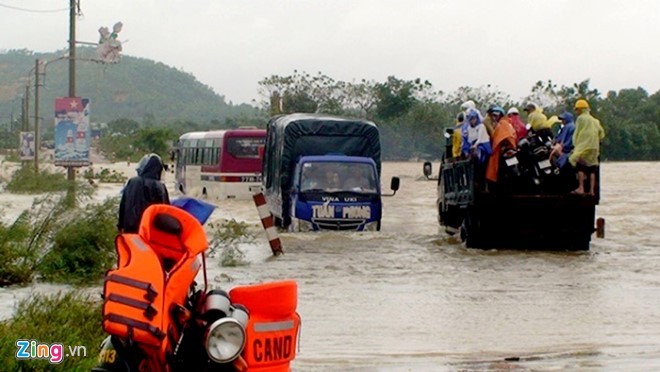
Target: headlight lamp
x,y
224,340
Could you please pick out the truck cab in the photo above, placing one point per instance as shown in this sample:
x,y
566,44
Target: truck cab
x,y
336,192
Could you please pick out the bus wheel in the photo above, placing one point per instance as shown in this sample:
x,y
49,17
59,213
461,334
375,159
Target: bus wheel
x,y
204,194
181,189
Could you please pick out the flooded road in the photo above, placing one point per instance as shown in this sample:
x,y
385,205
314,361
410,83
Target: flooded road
x,y
410,298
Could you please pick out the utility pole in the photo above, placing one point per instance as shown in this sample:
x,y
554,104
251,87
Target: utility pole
x,y
26,117
70,171
37,67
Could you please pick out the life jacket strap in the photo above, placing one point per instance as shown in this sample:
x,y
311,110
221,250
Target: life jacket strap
x,y
149,311
132,323
147,287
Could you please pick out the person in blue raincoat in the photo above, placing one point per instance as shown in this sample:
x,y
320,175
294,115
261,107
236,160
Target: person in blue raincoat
x,y
563,142
478,138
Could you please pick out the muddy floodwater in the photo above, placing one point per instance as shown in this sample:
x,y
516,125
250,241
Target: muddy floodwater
x,y
411,298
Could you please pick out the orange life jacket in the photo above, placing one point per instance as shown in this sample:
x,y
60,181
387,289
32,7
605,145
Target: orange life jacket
x,y
273,325
155,270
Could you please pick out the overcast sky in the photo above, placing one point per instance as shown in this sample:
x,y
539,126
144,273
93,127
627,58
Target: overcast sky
x,y
231,45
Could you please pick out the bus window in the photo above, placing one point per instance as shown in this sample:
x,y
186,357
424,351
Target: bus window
x,y
208,152
244,147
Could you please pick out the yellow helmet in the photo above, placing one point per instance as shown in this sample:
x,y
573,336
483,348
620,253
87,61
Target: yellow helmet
x,y
581,104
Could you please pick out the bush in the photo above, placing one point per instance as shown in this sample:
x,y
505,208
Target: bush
x,y
225,239
105,175
17,263
84,248
12,157
70,319
62,244
23,242
26,181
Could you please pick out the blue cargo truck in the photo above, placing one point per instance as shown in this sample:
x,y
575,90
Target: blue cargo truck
x,y
322,172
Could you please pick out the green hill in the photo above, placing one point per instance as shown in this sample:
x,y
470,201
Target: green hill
x,y
136,88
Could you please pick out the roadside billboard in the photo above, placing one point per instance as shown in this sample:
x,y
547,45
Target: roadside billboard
x,y
26,145
72,135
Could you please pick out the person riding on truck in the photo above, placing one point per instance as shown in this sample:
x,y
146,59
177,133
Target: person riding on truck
x,y
504,136
539,122
586,139
563,142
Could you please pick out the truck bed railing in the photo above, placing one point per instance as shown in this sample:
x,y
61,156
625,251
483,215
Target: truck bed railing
x,y
457,178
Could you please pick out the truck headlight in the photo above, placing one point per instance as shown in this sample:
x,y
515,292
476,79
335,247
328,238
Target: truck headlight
x,y
224,340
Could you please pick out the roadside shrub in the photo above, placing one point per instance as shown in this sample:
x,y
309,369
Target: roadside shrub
x,y
225,239
83,248
105,175
12,157
16,264
62,244
23,242
26,181
71,319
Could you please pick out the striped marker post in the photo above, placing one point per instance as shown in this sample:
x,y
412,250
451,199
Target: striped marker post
x,y
268,223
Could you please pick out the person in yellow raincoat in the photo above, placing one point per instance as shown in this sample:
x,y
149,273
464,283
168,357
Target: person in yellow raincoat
x,y
457,136
539,122
586,141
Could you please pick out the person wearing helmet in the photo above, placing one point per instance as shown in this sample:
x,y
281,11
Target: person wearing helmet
x,y
504,137
478,137
514,118
539,122
140,192
586,139
479,145
469,104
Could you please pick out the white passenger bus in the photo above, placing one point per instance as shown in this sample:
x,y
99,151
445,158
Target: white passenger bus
x,y
220,164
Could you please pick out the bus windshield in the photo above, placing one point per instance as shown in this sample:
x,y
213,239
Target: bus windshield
x,y
336,176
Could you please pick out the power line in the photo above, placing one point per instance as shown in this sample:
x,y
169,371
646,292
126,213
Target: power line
x,y
33,10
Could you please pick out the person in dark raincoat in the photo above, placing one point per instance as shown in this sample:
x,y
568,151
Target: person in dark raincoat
x,y
140,192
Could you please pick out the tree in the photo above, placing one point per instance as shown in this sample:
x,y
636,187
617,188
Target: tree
x,y
125,127
154,140
482,96
395,97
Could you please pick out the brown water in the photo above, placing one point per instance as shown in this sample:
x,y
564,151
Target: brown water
x,y
409,298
